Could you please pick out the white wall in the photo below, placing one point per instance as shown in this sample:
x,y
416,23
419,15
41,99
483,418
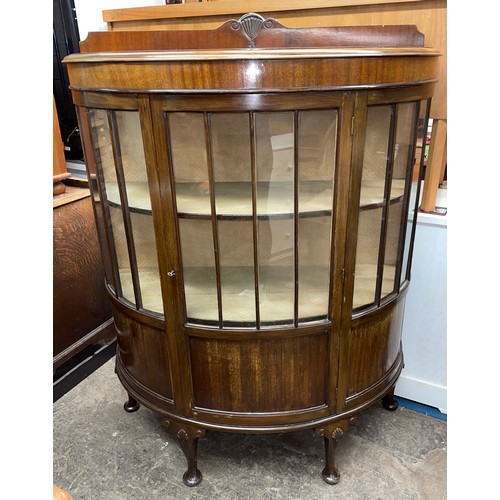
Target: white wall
x,y
424,378
89,12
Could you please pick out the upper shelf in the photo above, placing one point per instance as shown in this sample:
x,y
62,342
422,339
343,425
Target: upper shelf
x,y
233,200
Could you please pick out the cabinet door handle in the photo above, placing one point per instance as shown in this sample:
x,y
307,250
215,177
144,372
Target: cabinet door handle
x,y
171,273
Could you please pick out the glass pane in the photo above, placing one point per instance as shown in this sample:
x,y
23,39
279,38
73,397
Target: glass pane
x,y
317,135
405,114
314,267
189,158
198,263
132,157
275,208
365,279
276,271
121,251
236,272
419,155
147,261
232,171
375,155
375,166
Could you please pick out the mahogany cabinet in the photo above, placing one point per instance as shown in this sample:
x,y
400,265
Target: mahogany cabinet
x,y
251,187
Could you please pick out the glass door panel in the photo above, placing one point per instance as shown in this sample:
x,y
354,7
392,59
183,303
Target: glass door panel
x,y
386,179
254,196
124,194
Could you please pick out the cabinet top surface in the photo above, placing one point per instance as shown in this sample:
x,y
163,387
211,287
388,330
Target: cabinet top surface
x,y
249,54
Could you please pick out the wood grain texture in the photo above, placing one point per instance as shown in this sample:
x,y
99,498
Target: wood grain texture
x,y
247,376
373,348
143,353
277,75
80,301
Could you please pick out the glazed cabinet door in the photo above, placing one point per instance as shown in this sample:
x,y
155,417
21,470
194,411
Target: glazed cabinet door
x,y
118,157
391,126
389,183
252,181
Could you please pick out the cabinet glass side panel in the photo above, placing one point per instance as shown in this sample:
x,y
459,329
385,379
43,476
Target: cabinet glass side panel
x,y
373,181
403,160
414,189
119,154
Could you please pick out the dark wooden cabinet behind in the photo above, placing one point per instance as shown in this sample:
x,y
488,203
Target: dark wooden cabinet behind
x,y
252,199
81,306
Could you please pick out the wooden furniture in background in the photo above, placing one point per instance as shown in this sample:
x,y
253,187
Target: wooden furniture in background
x,y
253,212
81,307
430,17
59,170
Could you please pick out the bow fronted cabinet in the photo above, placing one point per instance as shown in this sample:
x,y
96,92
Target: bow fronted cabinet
x,y
251,187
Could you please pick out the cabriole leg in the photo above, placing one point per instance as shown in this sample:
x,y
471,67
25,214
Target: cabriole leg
x,y
332,435
389,402
187,438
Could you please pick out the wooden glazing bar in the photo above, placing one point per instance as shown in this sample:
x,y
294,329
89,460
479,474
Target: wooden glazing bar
x,y
255,227
106,216
406,199
296,217
387,198
215,233
122,189
417,195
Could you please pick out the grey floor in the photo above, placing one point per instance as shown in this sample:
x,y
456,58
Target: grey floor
x,y
103,453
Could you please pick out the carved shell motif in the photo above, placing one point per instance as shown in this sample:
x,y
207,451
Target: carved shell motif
x,y
251,25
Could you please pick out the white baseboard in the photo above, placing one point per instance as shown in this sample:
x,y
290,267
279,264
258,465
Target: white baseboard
x,y
423,392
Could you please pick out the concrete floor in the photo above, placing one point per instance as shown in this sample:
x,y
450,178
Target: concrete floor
x,y
103,453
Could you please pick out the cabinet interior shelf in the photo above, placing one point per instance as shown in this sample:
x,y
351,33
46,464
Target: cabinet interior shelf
x,y
276,292
233,200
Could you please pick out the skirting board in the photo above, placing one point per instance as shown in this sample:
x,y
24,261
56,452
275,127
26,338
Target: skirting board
x,y
423,392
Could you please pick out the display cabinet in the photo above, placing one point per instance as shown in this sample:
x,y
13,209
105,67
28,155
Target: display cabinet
x,y
251,187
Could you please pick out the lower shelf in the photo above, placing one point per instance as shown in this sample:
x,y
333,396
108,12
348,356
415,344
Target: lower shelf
x,y
237,293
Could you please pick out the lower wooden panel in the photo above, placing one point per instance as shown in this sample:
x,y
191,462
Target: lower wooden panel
x,y
143,353
259,375
373,348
